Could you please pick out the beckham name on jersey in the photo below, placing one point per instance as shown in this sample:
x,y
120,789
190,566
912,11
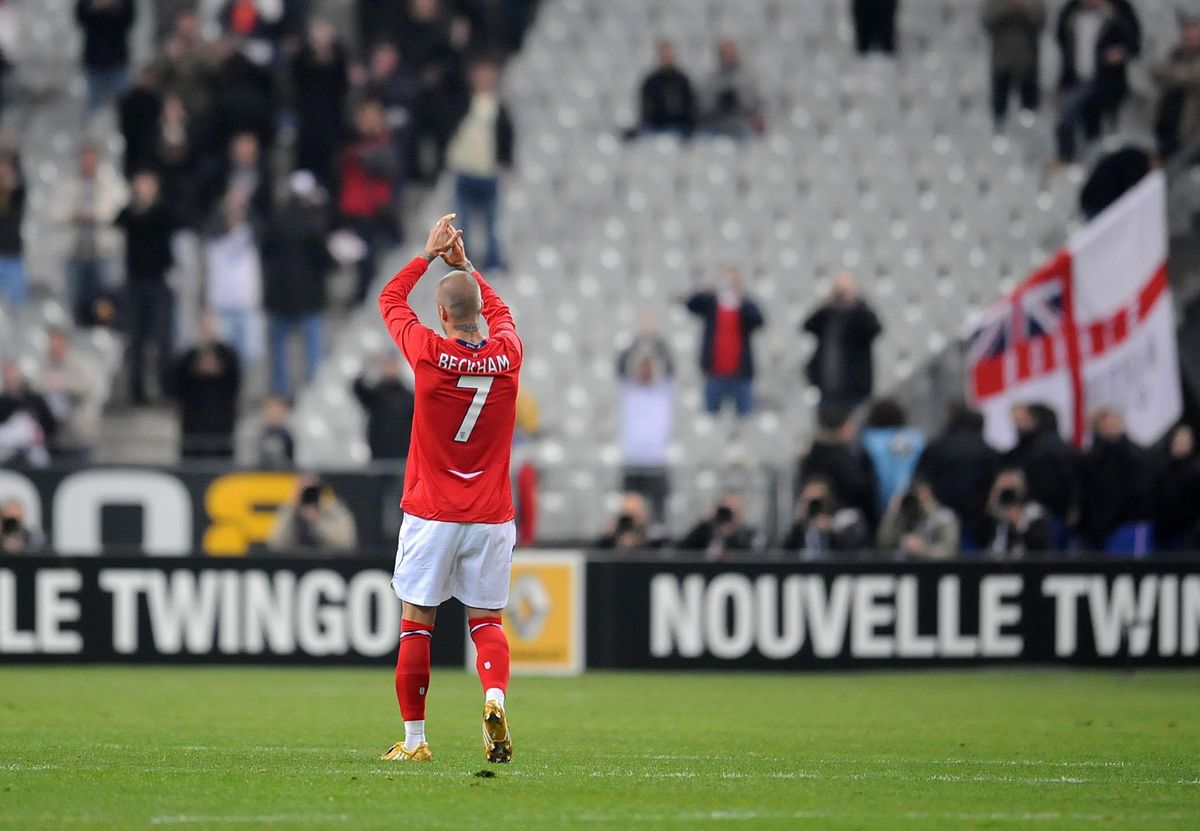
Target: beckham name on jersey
x,y
466,366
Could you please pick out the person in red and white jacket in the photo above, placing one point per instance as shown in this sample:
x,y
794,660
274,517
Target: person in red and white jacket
x,y
726,352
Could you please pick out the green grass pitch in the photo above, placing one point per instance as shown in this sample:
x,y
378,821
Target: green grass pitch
x,y
100,748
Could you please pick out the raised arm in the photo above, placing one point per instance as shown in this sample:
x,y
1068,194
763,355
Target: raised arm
x,y
495,311
402,322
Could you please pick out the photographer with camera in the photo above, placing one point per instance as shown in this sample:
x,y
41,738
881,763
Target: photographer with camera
x,y
1020,526
722,533
15,536
315,521
632,528
823,526
917,526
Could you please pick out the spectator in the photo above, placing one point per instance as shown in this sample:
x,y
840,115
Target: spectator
x,y
427,40
27,426
732,104
647,402
892,447
186,65
16,537
389,405
207,383
276,447
668,103
1178,524
1050,465
368,174
1118,480
632,529
106,25
296,264
722,533
244,169
388,82
175,154
918,527
233,267
1114,175
823,526
314,522
322,84
243,100
1178,79
139,111
1015,29
1020,525
72,387
1097,39
258,25
836,457
726,351
960,467
842,367
148,226
89,203
12,246
875,25
482,149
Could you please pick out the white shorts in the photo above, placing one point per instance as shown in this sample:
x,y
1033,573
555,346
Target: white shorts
x,y
439,560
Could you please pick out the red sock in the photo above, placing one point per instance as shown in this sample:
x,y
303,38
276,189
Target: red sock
x,y
491,644
412,668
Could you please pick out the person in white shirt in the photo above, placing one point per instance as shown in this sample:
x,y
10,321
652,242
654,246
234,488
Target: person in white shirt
x,y
234,278
647,411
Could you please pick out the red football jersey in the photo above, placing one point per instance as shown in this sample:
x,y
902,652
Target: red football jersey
x,y
466,407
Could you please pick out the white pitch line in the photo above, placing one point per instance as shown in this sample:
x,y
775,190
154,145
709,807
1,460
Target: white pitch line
x,y
918,816
246,819
18,766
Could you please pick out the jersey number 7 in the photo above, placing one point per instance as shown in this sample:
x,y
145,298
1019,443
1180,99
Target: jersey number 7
x,y
482,384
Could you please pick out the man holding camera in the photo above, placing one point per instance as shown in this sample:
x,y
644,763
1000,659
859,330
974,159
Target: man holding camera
x,y
1020,525
823,527
917,526
722,533
315,520
15,536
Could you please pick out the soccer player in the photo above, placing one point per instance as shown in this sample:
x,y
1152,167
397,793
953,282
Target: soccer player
x,y
458,532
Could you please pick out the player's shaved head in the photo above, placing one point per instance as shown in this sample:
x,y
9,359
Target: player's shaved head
x,y
458,294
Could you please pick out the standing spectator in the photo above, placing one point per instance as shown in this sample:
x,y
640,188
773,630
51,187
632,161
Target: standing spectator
x,y
893,448
823,526
16,536
243,100
233,286
1178,524
314,522
1118,491
388,82
723,533
480,151
12,246
647,404
368,174
106,25
1114,175
1097,39
244,168
960,467
1020,525
1015,28
1049,464
296,265
138,112
319,74
916,526
426,40
732,104
175,155
389,405
836,457
842,367
276,447
148,226
874,25
207,383
88,204
27,425
726,351
187,64
259,25
668,103
72,387
1178,78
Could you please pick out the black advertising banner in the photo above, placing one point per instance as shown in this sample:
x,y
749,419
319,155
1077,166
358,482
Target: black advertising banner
x,y
806,616
207,611
224,512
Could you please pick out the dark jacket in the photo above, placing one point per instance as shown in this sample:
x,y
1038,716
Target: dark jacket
x,y
12,214
105,33
1051,468
389,406
1118,488
139,111
704,535
849,470
704,305
1122,29
1113,176
961,468
296,261
147,241
208,403
321,91
848,533
1177,524
668,101
33,404
1008,542
854,329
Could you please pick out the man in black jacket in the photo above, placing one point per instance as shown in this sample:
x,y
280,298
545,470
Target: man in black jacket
x,y
148,226
296,266
668,101
726,350
389,405
319,73
1050,465
961,467
723,533
837,458
106,25
208,379
1118,499
842,367
139,112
